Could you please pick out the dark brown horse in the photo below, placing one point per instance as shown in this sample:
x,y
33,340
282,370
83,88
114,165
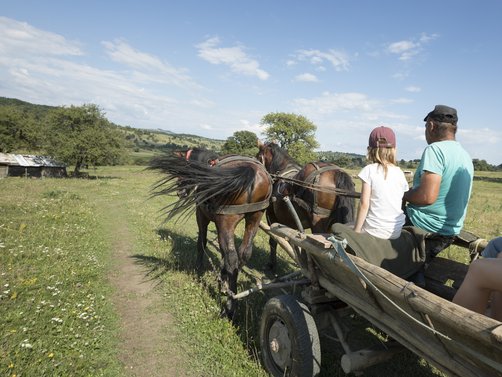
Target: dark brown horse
x,y
321,193
235,188
195,154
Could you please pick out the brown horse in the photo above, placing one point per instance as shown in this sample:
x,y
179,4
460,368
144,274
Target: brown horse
x,y
235,188
321,193
195,154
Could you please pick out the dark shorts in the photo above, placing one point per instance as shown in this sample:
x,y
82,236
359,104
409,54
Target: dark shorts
x,y
435,242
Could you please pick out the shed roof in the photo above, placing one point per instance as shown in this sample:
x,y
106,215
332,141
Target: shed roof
x,y
28,160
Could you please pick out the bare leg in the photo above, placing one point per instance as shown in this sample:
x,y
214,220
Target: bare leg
x,y
496,307
483,277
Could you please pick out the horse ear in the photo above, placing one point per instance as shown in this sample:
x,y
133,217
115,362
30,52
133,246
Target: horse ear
x,y
259,144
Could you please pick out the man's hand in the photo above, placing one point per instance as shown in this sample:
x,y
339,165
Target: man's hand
x,y
427,192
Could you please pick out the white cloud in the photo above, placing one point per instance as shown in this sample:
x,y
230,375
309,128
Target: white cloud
x,y
330,103
413,89
306,77
143,91
338,60
149,68
401,100
19,39
234,57
407,49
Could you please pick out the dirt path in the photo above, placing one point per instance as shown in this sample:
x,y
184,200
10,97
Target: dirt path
x,y
148,338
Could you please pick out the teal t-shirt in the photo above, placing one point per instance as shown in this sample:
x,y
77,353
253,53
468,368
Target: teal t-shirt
x,y
446,215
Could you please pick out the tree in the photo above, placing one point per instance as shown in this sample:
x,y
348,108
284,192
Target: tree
x,y
18,130
83,136
242,143
292,132
482,165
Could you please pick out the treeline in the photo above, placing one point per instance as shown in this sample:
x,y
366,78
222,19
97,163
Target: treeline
x,y
82,136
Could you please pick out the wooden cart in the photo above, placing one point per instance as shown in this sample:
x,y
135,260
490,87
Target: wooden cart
x,y
452,338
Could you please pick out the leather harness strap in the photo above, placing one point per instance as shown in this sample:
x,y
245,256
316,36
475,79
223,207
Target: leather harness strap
x,y
235,209
314,178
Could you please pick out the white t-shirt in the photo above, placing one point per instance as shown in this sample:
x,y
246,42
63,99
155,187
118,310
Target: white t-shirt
x,y
385,217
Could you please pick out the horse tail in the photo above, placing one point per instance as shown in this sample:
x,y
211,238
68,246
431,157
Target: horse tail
x,y
215,186
344,205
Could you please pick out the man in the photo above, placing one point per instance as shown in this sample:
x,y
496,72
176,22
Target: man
x,y
442,183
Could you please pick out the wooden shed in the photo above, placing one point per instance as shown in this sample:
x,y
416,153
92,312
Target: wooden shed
x,y
17,165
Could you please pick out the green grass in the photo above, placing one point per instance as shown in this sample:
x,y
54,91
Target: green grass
x,y
55,312
55,317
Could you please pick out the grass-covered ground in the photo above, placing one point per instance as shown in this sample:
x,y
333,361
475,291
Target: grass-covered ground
x,y
56,312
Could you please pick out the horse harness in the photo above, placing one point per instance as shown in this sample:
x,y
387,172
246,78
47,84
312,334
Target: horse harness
x,y
237,209
312,179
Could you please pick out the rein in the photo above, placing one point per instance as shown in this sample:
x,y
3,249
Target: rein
x,y
315,187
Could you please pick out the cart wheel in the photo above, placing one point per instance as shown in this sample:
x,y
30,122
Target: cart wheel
x,y
289,339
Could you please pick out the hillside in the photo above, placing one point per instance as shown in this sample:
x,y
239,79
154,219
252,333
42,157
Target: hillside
x,y
143,143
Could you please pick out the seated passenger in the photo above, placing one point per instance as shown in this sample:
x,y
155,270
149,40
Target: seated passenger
x,y
383,185
442,184
377,236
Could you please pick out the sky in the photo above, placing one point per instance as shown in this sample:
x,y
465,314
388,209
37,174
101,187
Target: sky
x,y
211,68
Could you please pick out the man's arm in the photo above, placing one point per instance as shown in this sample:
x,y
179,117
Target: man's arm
x,y
427,192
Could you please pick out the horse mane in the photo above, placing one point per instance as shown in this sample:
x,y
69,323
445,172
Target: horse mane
x,y
280,158
344,212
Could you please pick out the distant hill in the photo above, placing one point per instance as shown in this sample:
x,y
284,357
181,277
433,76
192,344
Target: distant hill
x,y
143,143
38,110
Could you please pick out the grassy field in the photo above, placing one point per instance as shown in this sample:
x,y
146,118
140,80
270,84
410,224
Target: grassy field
x,y
56,318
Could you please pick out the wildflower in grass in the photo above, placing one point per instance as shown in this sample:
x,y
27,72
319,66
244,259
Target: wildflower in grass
x,y
25,344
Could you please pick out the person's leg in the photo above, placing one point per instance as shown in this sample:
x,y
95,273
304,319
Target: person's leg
x,y
493,248
483,277
496,304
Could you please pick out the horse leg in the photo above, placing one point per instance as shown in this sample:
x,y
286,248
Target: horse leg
x,y
230,270
251,228
272,243
202,224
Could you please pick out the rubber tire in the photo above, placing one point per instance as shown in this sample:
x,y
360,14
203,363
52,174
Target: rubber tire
x,y
297,326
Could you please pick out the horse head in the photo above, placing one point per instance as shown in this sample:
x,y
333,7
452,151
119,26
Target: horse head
x,y
273,157
266,154
194,154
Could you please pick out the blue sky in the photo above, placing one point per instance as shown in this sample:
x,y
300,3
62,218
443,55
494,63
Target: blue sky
x,y
212,68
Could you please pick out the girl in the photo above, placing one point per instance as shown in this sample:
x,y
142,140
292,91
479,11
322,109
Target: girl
x,y
380,211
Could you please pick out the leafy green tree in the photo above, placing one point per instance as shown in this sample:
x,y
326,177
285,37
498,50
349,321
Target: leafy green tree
x,y
242,143
293,132
482,165
19,130
83,136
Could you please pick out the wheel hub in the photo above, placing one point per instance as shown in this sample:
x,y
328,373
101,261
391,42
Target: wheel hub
x,y
280,344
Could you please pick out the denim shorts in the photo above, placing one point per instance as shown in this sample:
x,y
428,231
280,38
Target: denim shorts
x,y
493,248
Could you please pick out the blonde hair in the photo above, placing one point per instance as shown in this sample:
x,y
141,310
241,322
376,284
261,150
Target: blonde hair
x,y
382,156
